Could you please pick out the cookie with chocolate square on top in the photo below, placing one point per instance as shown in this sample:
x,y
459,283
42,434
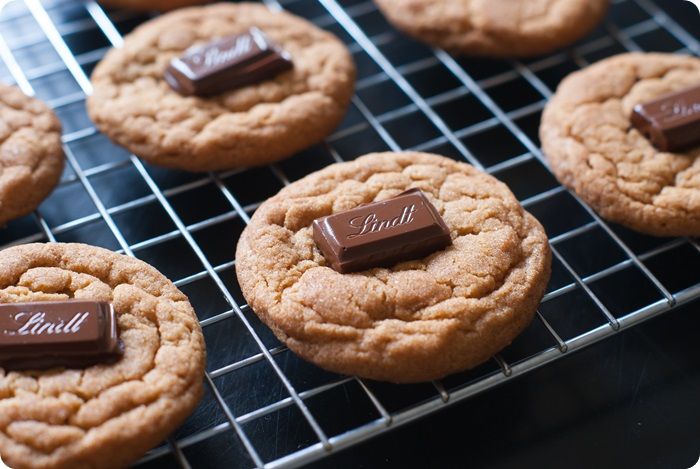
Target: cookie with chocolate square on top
x,y
101,357
222,86
624,133
400,267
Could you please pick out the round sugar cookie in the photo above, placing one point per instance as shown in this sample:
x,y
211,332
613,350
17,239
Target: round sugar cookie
x,y
107,415
253,125
594,149
31,154
414,321
496,28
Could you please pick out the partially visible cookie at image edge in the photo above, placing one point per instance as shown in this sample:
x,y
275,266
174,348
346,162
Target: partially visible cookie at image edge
x,y
418,320
106,415
593,148
31,153
253,125
496,28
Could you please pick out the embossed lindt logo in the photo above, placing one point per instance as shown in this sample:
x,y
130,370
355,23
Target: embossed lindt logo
x,y
36,324
679,109
215,56
371,224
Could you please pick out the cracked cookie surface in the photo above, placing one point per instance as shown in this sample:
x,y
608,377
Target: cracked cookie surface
x,y
497,28
593,148
419,320
31,156
160,5
106,415
252,125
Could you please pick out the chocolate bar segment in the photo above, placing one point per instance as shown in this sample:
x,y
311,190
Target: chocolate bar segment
x,y
671,122
382,234
227,63
62,333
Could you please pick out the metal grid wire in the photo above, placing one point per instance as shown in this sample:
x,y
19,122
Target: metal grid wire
x,y
263,406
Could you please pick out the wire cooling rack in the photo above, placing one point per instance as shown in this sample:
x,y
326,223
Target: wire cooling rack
x,y
264,407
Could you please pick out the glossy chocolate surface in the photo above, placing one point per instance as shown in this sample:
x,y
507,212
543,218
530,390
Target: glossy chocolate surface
x,y
671,122
61,333
227,63
382,234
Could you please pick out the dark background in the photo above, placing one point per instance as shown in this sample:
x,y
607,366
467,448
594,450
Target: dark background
x,y
629,401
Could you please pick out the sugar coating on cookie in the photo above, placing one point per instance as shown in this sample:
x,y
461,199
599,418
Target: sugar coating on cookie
x,y
253,125
593,148
418,320
31,155
103,416
496,28
145,5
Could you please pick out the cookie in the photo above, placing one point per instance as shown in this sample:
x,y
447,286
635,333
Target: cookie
x,y
415,321
31,155
254,125
160,5
593,148
106,415
496,28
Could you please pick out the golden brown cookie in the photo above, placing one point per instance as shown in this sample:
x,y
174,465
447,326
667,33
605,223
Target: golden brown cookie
x,y
497,28
253,125
594,149
418,320
103,416
145,5
31,156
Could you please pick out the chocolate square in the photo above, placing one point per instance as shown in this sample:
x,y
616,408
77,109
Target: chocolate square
x,y
227,63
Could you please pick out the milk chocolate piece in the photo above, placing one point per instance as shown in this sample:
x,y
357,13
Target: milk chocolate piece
x,y
671,122
382,233
44,335
227,63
